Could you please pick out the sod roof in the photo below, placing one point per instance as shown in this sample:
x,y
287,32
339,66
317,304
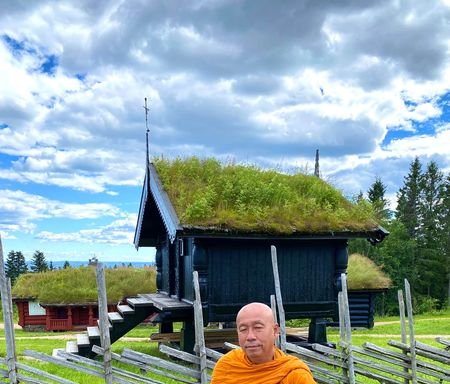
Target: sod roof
x,y
207,194
363,273
79,285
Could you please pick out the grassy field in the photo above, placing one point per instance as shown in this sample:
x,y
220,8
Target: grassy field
x,y
427,327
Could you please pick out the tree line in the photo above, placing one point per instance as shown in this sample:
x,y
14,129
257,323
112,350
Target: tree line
x,y
16,265
418,246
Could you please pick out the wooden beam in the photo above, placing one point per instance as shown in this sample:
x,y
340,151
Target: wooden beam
x,y
5,287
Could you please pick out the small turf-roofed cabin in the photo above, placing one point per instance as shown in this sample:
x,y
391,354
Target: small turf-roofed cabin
x,y
67,299
221,221
366,281
56,317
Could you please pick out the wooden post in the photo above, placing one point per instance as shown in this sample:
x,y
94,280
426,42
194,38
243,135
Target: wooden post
x,y
281,316
199,334
342,329
348,330
69,317
105,340
5,287
401,307
273,305
412,340
90,315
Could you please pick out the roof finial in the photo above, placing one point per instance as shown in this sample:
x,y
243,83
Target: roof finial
x,y
316,166
147,130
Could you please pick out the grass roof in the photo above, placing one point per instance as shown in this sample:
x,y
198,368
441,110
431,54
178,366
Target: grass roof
x,y
79,285
363,273
208,194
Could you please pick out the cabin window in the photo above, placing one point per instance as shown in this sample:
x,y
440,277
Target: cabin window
x,y
181,247
34,309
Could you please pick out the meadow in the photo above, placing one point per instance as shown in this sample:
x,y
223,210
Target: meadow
x,y
427,327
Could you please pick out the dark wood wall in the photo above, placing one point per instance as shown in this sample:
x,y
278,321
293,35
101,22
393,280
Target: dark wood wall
x,y
234,272
240,272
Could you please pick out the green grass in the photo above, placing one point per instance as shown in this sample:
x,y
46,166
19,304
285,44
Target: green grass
x,y
208,194
437,323
38,342
388,328
425,327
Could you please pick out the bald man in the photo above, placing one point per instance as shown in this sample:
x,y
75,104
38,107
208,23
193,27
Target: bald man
x,y
258,361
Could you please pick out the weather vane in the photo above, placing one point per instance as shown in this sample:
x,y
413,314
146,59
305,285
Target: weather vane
x,y
146,114
147,130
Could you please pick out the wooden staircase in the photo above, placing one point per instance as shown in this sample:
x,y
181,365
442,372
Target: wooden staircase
x,y
156,306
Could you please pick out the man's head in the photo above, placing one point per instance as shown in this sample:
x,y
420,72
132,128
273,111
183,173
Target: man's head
x,y
257,332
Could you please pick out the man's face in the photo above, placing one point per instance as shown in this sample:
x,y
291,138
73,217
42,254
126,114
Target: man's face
x,y
257,333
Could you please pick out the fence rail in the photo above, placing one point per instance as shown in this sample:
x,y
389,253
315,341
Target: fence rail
x,y
408,361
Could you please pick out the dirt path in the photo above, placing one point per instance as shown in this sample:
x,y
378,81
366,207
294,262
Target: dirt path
x,y
72,337
16,326
394,336
293,331
415,320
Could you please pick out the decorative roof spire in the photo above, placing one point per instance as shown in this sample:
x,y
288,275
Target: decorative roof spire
x,y
316,166
147,132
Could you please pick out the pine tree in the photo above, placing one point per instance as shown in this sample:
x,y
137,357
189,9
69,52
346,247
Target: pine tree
x,y
430,236
446,230
15,265
379,203
394,255
66,265
50,266
38,262
359,197
408,198
376,196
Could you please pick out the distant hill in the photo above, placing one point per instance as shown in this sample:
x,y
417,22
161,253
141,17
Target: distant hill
x,y
107,264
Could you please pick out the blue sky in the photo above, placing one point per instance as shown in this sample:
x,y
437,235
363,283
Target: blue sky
x,y
365,82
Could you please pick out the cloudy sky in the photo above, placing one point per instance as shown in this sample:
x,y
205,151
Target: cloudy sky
x,y
261,82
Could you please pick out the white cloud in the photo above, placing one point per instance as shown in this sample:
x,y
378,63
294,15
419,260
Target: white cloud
x,y
119,232
421,145
21,211
252,81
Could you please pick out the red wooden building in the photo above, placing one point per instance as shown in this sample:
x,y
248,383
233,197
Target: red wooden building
x,y
66,299
56,317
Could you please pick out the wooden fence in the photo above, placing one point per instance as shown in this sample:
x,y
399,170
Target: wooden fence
x,y
408,361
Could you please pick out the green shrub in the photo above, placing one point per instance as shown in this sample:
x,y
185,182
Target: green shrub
x,y
425,304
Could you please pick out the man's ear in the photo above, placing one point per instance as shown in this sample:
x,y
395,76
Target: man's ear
x,y
276,329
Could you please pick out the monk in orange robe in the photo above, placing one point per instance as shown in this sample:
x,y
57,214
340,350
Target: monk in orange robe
x,y
258,361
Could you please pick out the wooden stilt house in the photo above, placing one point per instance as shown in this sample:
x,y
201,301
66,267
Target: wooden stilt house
x,y
221,221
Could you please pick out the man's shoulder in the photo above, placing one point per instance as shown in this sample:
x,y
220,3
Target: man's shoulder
x,y
299,376
233,354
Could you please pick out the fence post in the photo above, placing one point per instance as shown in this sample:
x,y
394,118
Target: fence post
x,y
8,320
412,339
281,315
105,340
401,307
347,330
199,335
273,305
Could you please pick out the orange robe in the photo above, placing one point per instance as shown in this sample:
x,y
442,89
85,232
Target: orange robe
x,y
235,367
